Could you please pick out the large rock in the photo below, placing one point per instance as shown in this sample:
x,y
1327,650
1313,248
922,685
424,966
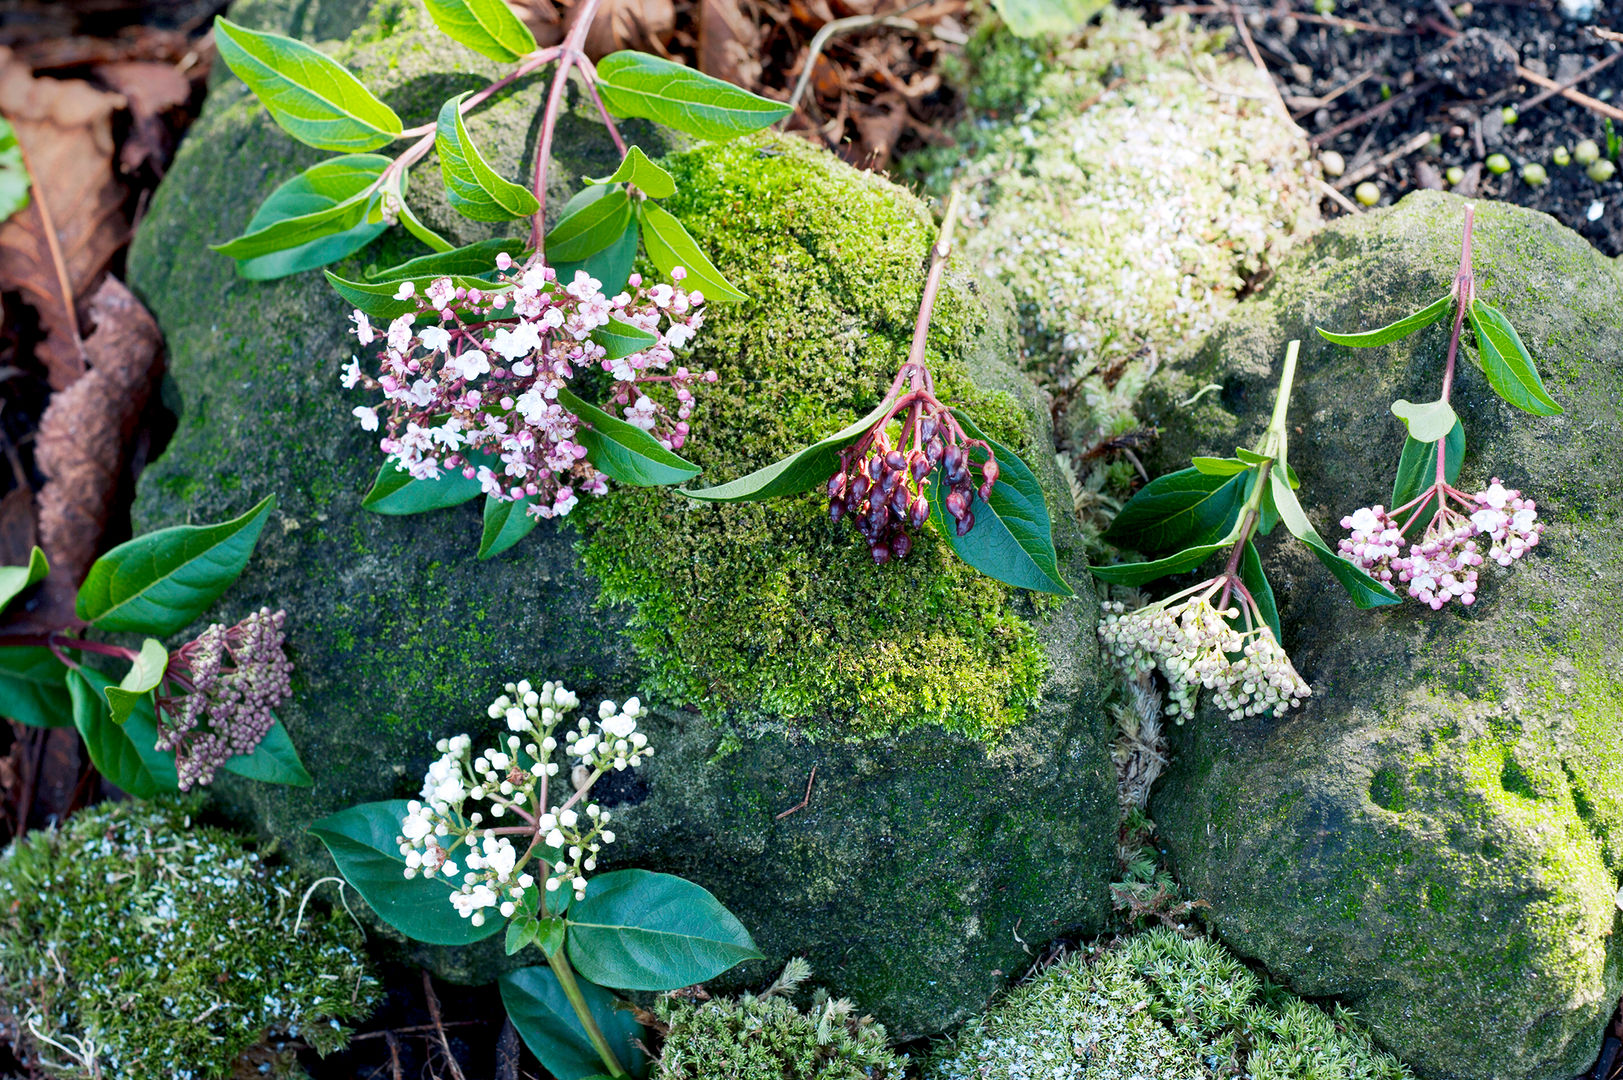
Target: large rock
x,y
1436,837
963,782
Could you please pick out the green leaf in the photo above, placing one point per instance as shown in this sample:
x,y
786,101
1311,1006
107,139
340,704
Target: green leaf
x,y
414,225
1013,538
1256,583
670,246
160,582
1141,573
474,260
637,84
547,1022
638,930
473,187
1218,466
125,754
506,523
800,471
317,217
140,681
274,761
377,298
592,220
313,98
1506,363
14,579
488,27
520,933
1036,18
621,339
1365,591
1427,421
611,266
1180,509
624,451
1400,329
396,493
549,932
635,169
362,842
13,173
33,687
1417,468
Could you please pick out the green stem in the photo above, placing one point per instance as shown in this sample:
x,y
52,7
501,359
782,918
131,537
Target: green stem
x,y
566,979
1272,447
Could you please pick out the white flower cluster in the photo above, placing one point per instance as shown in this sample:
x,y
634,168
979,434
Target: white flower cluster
x,y
514,781
1195,645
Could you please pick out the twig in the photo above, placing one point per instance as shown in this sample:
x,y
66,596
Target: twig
x,y
1308,104
439,1027
1373,112
394,1055
1370,168
507,1051
1256,58
416,1029
845,26
803,803
1583,76
1574,96
1606,35
1337,197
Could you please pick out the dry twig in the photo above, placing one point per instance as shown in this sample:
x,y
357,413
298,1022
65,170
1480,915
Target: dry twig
x,y
439,1026
803,803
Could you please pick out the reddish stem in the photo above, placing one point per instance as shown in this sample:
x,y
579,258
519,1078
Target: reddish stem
x,y
589,76
570,49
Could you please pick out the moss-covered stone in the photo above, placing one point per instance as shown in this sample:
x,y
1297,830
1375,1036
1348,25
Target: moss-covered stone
x,y
982,794
1436,836
138,945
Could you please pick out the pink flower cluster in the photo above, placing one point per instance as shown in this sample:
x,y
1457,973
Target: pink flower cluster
x,y
470,380
1442,565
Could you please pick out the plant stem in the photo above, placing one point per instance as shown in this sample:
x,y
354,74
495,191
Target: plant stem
x,y
570,49
1464,293
56,640
559,962
1272,447
932,283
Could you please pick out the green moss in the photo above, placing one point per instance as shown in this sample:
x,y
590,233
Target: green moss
x,y
147,946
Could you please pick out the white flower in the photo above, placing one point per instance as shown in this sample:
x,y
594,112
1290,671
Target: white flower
x,y
406,291
619,726
471,364
434,338
367,417
363,327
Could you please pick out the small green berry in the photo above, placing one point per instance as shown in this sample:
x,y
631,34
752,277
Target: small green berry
x,y
1561,156
1367,193
1454,175
1601,171
1510,114
1498,163
1533,174
1586,152
1334,164
1324,7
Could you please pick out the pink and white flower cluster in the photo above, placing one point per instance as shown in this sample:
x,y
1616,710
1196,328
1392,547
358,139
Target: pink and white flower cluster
x,y
1442,565
470,380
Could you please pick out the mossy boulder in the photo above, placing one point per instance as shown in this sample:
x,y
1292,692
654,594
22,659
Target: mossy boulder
x,y
1436,837
963,782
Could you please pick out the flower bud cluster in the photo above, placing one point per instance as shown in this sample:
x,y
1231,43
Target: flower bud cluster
x,y
233,677
470,379
513,782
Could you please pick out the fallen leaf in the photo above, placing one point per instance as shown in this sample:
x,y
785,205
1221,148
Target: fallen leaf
x,y
155,92
58,52
729,43
17,532
879,125
627,24
54,249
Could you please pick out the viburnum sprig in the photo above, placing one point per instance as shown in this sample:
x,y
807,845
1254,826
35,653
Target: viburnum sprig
x,y
481,389
1431,543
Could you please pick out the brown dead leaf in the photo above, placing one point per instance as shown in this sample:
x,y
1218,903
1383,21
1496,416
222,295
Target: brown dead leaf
x,y
155,92
54,249
17,530
628,24
879,125
59,51
729,43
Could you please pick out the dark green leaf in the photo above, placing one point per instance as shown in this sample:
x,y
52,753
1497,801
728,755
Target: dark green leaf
x,y
593,220
395,493
547,1022
1365,591
1141,573
506,523
520,933
488,27
315,218
611,266
1400,329
125,754
313,98
637,84
140,681
1427,421
377,298
621,339
274,761
1013,538
1218,466
624,451
1179,510
13,173
1037,18
474,260
14,579
641,174
1417,468
549,932
160,582
638,930
473,187
1256,583
33,687
1506,363
362,842
800,471
670,246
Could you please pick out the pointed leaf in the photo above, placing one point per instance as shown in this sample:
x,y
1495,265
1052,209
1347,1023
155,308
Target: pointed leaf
x,y
506,523
635,169
474,260
14,579
1256,583
638,930
396,493
520,933
1218,466
34,687
1400,329
1417,468
140,681
621,339
1180,509
377,298
414,225
611,266
593,220
317,217
274,761
362,843
624,451
1036,18
1364,590
547,1022
1427,421
473,187
1506,363
800,471
488,27
1140,573
670,246
637,84
160,582
313,98
13,173
125,754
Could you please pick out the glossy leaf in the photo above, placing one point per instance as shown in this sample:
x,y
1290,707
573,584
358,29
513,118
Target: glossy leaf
x,y
800,471
1405,326
396,493
620,339
377,298
1218,466
274,761
475,189
638,930
158,583
637,84
624,451
1013,538
536,1004
592,220
362,843
474,260
1180,509
1506,363
1036,18
14,579
312,97
521,930
1427,421
125,754
488,27
612,266
1141,573
641,173
670,246
33,687
1364,590
1256,583
506,523
1417,468
317,217
140,681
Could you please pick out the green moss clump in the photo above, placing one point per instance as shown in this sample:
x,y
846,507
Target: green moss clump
x,y
767,612
1159,1005
767,1037
146,946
